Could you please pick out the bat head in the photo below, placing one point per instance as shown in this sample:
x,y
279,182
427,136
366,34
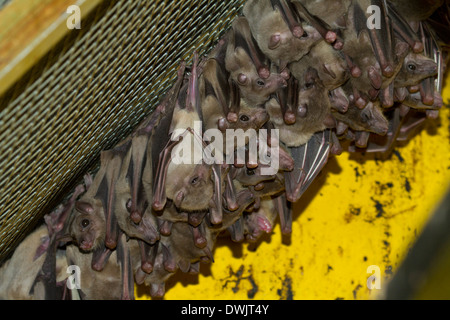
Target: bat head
x,y
190,186
419,67
371,118
145,229
87,228
253,88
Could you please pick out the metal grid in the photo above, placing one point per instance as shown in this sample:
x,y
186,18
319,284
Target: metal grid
x,y
88,93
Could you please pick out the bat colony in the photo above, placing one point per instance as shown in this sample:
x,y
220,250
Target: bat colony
x,y
313,69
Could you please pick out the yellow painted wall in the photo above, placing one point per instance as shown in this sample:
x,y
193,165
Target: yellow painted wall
x,y
359,212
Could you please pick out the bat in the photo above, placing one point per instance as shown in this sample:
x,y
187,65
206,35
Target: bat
x,y
313,106
274,36
415,68
370,119
332,68
254,89
187,183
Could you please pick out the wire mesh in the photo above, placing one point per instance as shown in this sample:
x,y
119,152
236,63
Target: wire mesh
x,y
88,93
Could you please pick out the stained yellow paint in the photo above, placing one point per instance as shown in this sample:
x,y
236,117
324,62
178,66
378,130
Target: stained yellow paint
x,y
360,212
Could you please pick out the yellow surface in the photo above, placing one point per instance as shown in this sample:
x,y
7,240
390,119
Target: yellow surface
x,y
360,212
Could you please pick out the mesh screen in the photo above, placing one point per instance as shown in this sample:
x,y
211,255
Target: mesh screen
x,y
88,93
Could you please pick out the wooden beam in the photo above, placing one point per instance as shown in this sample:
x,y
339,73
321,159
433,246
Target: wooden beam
x,y
29,29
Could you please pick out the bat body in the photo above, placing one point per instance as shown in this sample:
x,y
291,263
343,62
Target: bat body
x,y
254,89
330,65
312,97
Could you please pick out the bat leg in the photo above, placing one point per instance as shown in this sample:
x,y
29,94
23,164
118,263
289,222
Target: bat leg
x,y
282,96
199,238
159,187
400,94
168,261
196,218
146,259
327,34
233,111
355,71
230,194
336,147
165,227
284,212
404,30
387,96
236,230
374,77
244,39
215,211
360,102
289,17
427,91
100,257
362,138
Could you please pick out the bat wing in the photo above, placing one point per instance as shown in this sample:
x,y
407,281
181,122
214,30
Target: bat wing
x,y
309,160
124,259
243,38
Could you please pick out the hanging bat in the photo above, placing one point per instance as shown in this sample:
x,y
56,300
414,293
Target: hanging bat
x,y
279,33
370,119
331,66
254,89
132,212
312,108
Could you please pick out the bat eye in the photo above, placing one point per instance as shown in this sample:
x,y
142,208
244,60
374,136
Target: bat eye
x,y
244,118
365,117
309,85
85,223
260,83
250,172
305,34
194,180
411,67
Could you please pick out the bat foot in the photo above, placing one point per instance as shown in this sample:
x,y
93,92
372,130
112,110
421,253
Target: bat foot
x,y
135,217
330,37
